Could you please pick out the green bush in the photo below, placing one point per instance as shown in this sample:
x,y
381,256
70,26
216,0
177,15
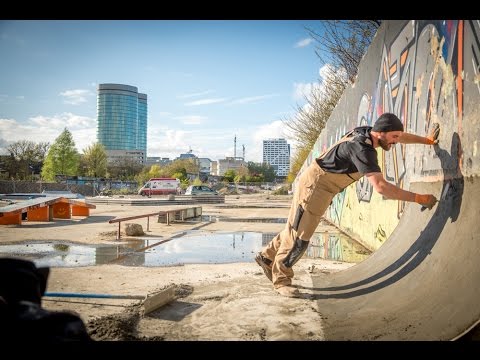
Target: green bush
x,y
281,191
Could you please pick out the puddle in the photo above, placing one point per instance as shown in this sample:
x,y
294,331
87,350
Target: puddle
x,y
194,247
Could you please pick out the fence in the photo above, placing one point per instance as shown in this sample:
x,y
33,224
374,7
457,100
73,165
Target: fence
x,y
9,187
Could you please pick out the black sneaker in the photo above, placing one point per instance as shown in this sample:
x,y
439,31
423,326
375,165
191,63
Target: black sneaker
x,y
265,264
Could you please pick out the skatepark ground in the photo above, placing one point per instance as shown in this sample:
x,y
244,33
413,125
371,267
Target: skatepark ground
x,y
212,301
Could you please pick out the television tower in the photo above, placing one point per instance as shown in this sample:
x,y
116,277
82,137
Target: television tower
x,y
235,147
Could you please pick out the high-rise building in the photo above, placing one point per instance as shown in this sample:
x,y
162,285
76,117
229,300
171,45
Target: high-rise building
x,y
122,122
276,152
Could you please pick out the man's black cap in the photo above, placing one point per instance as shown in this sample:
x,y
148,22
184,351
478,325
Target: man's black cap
x,y
388,122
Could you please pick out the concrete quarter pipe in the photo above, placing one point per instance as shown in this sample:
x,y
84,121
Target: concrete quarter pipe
x,y
422,284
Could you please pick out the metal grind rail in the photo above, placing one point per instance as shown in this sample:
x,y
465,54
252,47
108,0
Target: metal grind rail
x,y
166,213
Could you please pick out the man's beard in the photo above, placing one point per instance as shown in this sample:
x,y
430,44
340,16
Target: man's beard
x,y
385,145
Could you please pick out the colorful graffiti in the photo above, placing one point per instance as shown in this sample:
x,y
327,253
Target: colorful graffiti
x,y
419,70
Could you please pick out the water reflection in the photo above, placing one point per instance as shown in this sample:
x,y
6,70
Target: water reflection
x,y
194,247
336,246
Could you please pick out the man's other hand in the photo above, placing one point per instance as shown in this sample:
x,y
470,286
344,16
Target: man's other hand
x,y
427,200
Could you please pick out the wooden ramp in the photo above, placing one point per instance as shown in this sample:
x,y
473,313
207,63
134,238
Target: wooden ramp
x,y
44,209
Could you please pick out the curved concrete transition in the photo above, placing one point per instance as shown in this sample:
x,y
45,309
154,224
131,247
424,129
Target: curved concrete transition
x,y
422,280
422,284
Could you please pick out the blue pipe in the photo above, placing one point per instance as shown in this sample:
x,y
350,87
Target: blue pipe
x,y
98,296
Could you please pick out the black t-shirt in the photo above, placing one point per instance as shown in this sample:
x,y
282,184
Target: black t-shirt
x,y
357,155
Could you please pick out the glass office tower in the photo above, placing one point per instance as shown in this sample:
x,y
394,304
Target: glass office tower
x,y
122,122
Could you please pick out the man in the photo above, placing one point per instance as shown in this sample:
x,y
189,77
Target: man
x,y
22,317
342,164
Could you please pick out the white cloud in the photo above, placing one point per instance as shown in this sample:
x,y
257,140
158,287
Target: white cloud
x,y
69,120
251,99
205,101
75,97
202,93
303,43
47,129
209,143
273,130
301,90
167,142
325,70
162,141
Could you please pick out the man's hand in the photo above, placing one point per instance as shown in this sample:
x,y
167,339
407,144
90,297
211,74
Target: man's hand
x,y
433,134
427,200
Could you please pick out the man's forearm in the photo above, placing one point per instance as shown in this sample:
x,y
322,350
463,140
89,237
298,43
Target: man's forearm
x,y
408,138
395,193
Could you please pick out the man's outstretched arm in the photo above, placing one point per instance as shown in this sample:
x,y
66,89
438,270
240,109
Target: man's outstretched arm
x,y
393,192
430,139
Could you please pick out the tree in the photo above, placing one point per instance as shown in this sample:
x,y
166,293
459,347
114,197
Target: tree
x,y
180,175
242,174
310,119
340,48
95,160
155,172
62,157
177,169
229,175
240,178
25,157
183,166
125,168
197,182
255,178
343,43
8,167
263,171
298,159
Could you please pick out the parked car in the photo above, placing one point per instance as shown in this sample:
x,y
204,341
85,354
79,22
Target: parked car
x,y
200,190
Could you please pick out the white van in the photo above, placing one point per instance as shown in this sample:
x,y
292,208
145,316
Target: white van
x,y
160,186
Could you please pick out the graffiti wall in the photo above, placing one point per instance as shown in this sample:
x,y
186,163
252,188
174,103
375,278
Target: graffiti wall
x,y
424,72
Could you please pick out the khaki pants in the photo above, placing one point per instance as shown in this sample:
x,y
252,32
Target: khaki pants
x,y
313,194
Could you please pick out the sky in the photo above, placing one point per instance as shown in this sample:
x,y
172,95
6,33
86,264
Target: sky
x,y
207,81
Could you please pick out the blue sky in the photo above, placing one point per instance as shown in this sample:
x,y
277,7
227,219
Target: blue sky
x,y
206,81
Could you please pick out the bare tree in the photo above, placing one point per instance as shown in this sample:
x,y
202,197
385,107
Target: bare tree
x,y
340,48
26,157
344,42
310,119
124,168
